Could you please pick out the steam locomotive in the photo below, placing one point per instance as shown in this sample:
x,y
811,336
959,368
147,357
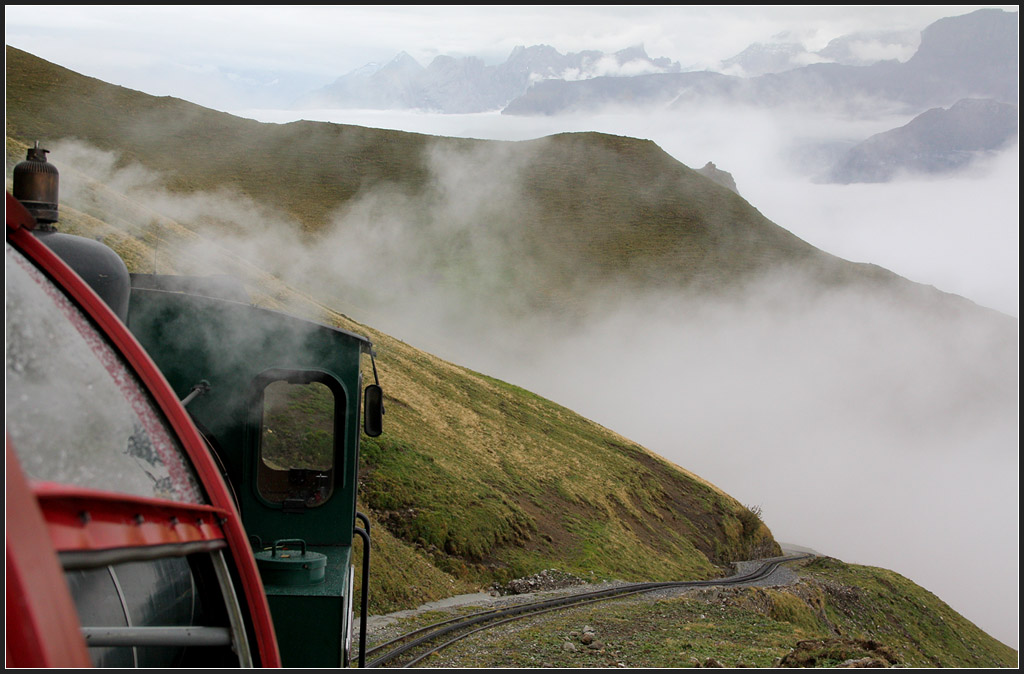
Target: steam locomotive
x,y
181,464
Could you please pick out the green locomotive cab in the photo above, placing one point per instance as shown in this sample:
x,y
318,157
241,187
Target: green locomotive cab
x,y
278,399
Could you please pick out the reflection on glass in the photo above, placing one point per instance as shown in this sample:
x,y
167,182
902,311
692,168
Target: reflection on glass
x,y
296,466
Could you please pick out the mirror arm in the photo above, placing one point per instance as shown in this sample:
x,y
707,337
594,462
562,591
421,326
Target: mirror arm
x,y
373,363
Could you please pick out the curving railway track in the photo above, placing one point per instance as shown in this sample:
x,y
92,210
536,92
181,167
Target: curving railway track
x,y
411,648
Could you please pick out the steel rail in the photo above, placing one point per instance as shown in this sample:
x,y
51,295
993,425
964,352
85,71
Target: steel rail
x,y
495,617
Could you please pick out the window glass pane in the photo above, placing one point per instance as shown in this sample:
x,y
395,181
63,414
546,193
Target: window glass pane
x,y
75,413
297,443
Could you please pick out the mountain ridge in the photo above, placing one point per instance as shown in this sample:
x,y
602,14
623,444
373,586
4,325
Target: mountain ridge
x,y
578,201
971,56
940,140
466,84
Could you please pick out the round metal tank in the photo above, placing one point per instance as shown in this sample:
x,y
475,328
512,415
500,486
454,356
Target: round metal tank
x,y
281,565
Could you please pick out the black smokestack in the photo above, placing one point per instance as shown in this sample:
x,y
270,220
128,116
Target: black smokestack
x,y
36,185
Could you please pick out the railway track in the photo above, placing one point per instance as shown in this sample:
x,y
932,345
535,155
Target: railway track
x,y
411,648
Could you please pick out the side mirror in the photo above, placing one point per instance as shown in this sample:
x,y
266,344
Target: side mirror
x,y
373,410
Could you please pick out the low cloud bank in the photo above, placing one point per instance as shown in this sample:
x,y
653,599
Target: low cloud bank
x,y
864,429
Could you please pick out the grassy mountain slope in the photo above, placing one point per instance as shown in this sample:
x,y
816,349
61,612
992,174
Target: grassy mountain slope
x,y
833,613
587,211
475,480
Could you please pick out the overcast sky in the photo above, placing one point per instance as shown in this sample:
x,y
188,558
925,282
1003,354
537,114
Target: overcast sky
x,y
122,44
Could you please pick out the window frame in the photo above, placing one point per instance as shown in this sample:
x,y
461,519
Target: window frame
x,y
298,376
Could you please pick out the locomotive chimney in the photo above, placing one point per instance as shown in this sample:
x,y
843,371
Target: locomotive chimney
x,y
36,185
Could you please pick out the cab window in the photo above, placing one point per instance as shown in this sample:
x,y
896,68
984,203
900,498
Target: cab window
x,y
300,416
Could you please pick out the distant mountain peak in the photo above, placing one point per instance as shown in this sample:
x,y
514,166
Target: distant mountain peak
x,y
937,141
467,84
630,53
402,56
971,56
787,51
535,49
403,62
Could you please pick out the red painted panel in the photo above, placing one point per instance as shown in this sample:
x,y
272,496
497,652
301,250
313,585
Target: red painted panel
x,y
84,519
17,215
41,627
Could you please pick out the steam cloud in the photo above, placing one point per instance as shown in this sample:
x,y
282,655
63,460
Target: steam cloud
x,y
868,429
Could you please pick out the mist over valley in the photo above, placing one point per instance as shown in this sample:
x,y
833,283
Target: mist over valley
x,y
844,356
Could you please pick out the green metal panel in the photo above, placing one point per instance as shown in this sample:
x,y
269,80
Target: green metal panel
x,y
310,620
237,348
230,345
308,630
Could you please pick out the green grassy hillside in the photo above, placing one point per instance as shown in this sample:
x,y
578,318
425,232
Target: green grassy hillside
x,y
833,614
526,227
475,481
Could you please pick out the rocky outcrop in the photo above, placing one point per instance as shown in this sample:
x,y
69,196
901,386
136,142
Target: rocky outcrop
x,y
723,178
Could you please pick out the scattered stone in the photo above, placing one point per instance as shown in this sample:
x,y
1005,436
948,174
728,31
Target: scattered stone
x,y
596,646
548,579
569,647
711,662
587,638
